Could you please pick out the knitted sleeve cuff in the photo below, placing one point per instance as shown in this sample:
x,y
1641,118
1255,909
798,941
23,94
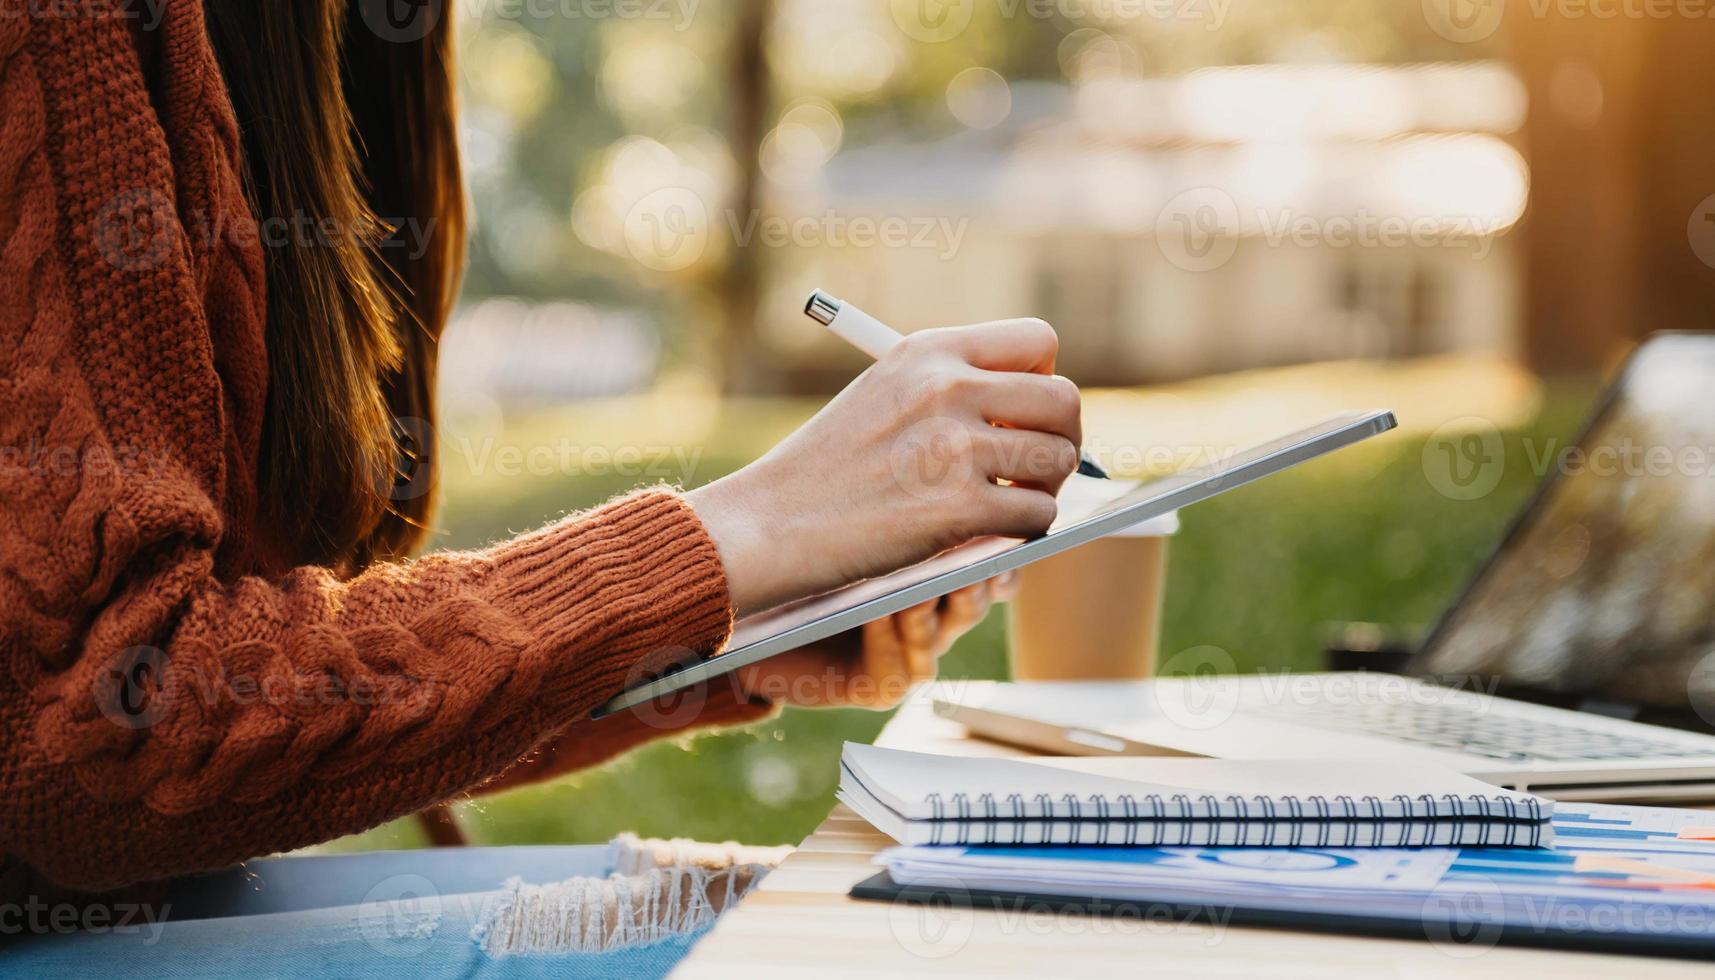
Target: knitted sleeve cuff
x,y
616,592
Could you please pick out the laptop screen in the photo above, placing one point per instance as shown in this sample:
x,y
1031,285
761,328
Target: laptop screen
x,y
1606,587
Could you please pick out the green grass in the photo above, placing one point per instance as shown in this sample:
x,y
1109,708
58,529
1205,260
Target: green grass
x,y
1258,573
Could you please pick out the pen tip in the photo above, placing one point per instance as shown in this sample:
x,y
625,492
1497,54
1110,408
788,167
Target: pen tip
x,y
1089,467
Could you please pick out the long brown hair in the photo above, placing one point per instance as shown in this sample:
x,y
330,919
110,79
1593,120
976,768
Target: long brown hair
x,y
352,167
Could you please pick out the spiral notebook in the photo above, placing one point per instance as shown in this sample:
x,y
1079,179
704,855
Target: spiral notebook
x,y
920,799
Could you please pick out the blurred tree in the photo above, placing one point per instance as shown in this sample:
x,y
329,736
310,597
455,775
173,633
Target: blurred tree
x,y
740,283
1621,142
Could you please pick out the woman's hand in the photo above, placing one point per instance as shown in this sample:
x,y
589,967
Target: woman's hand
x,y
902,465
878,665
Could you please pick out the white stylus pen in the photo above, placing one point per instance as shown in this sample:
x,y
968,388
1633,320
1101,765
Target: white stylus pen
x,y
875,338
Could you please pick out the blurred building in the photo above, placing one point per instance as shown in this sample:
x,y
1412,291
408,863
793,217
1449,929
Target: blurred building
x,y
519,353
1224,219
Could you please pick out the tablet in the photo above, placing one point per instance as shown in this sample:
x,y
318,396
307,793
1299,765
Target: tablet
x,y
789,627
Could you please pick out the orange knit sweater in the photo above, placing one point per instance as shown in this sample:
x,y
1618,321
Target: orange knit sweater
x,y
293,705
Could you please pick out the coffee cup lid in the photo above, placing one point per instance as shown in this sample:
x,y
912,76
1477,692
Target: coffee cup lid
x,y
1084,493
1164,526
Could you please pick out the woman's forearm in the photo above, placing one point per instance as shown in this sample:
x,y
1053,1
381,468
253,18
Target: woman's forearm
x,y
202,724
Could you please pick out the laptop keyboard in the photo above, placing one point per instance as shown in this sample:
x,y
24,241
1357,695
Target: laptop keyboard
x,y
1493,735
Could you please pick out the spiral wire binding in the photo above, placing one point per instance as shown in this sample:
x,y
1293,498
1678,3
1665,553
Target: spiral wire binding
x,y
1310,821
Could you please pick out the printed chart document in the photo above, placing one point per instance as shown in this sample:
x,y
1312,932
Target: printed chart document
x,y
1631,878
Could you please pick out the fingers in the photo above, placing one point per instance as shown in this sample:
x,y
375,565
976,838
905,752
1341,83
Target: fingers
x,y
1035,459
964,609
1004,588
1005,345
927,631
886,662
1018,512
920,631
877,666
919,625
1031,401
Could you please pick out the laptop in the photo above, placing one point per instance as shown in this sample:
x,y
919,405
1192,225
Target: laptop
x,y
1579,662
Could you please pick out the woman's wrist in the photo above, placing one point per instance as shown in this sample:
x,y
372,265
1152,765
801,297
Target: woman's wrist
x,y
754,557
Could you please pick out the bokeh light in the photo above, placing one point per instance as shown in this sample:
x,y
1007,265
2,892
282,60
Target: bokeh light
x,y
979,98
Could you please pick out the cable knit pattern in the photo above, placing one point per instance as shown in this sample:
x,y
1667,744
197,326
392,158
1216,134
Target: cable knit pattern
x,y
280,707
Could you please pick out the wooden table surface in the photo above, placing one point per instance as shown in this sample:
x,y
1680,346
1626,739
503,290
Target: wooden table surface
x,y
800,923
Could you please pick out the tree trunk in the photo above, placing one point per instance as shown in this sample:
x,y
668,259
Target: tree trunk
x,y
740,283
1622,151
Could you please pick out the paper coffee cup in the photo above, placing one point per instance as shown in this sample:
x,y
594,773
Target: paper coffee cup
x,y
1092,613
